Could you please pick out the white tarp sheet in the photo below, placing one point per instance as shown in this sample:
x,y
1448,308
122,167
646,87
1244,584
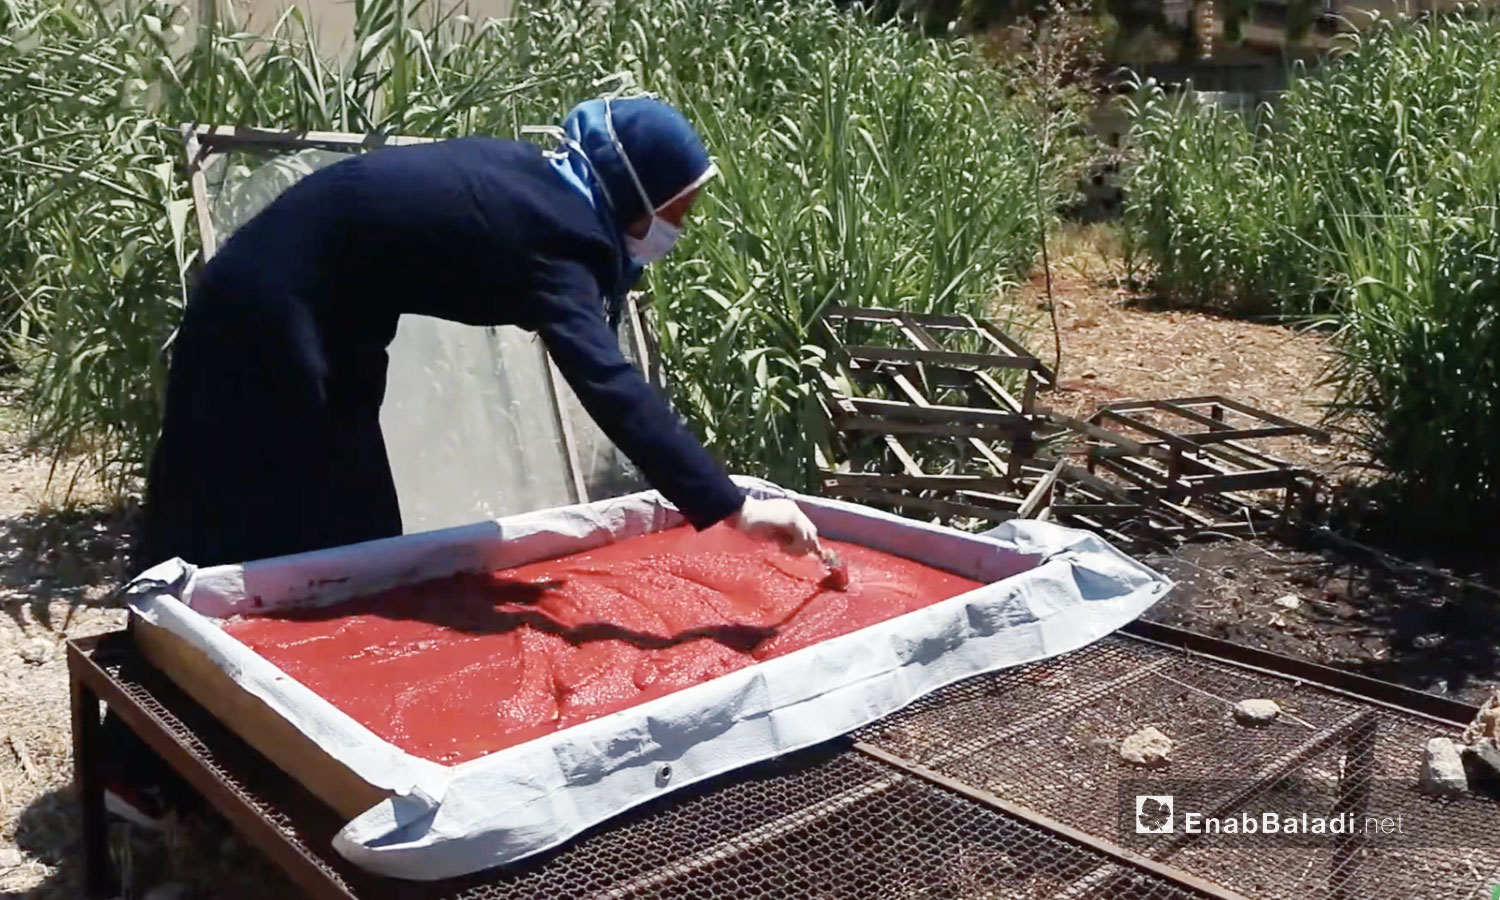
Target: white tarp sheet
x,y
1048,590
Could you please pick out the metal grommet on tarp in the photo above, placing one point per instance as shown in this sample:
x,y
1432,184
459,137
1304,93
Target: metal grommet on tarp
x,y
664,775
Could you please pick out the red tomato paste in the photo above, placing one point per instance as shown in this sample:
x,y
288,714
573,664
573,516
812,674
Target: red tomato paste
x,y
458,667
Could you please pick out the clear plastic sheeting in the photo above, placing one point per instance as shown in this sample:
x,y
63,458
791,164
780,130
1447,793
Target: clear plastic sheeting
x,y
469,424
471,421
605,470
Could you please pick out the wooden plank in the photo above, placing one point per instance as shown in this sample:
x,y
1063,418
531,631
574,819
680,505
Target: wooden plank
x,y
198,185
1097,509
942,507
1003,346
908,461
256,723
1177,441
888,426
916,333
1241,434
1213,424
911,481
1274,479
904,385
909,412
1140,475
1183,451
1040,491
992,459
221,138
1222,433
988,498
1261,459
836,353
983,449
569,442
1129,406
1000,395
832,390
1317,434
1217,443
939,357
1076,476
948,377
823,463
1045,374
875,314
1100,433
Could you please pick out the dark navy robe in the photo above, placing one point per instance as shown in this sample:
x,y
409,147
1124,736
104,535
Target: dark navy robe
x,y
271,441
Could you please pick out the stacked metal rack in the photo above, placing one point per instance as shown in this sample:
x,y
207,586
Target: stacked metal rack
x,y
938,415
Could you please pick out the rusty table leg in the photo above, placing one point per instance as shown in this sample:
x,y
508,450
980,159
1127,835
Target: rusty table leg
x,y
1353,799
88,782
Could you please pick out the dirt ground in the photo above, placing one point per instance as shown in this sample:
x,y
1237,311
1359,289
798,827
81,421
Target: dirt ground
x,y
59,564
60,559
1408,621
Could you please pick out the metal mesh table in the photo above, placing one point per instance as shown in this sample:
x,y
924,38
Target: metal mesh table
x,y
992,788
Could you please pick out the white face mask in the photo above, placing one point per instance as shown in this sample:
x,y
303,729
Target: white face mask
x,y
662,234
657,243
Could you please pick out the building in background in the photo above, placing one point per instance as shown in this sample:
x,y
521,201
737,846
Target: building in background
x,y
1236,55
333,20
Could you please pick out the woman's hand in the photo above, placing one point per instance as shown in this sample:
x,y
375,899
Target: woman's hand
x,y
777,520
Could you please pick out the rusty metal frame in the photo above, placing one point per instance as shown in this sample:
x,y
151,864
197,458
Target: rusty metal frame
x,y
90,685
1219,431
1373,691
1120,855
324,876
992,411
1215,460
1349,731
893,398
1114,471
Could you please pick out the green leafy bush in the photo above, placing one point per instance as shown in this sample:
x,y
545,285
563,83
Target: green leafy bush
x,y
863,164
1366,197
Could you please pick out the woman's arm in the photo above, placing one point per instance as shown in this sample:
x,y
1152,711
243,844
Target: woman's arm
x,y
628,409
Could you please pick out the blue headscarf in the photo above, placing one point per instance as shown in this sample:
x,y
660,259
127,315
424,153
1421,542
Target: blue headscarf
x,y
663,149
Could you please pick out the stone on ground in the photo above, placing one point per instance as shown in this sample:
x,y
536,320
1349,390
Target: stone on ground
x,y
1443,769
1257,712
1147,747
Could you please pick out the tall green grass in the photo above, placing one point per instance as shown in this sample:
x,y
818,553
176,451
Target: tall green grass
x,y
1418,370
862,164
1365,197
1237,211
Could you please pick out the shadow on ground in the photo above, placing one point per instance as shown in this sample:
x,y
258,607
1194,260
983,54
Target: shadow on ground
x,y
187,860
1430,630
76,555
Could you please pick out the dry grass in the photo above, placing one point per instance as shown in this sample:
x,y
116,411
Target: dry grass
x,y
1116,345
60,558
55,567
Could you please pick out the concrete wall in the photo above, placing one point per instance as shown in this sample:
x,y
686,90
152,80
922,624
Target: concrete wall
x,y
333,20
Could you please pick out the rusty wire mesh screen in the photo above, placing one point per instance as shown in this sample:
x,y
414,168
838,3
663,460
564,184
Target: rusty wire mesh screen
x,y
1046,736
824,823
